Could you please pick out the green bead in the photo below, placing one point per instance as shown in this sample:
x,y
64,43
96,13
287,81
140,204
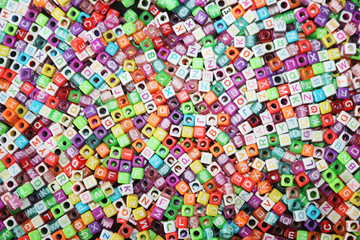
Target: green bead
x,y
128,111
198,63
214,11
265,153
272,93
320,33
206,222
123,140
67,188
64,143
306,85
172,4
315,121
208,41
273,139
7,235
303,199
204,176
137,173
162,151
134,97
55,115
222,138
69,231
115,152
219,48
196,233
146,45
187,108
146,17
329,175
123,178
93,141
161,4
73,13
356,56
97,195
336,185
337,167
289,17
110,140
77,79
296,146
176,202
256,63
163,79
152,234
99,102
50,201
287,180
105,162
129,28
3,128
130,16
3,4
57,211
86,234
344,157
39,42
10,29
74,96
153,143
25,190
43,81
302,235
86,87
219,221
237,189
171,213
112,105
218,89
105,202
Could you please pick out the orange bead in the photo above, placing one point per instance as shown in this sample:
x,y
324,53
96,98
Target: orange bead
x,y
153,86
100,172
242,167
252,150
259,3
10,116
40,3
138,76
163,111
223,119
139,36
182,187
127,124
103,150
122,101
232,53
194,154
123,41
275,64
4,85
288,112
79,225
346,193
59,235
238,11
308,150
306,73
21,125
139,25
264,187
256,175
189,198
259,213
11,103
153,120
94,122
216,149
210,97
138,145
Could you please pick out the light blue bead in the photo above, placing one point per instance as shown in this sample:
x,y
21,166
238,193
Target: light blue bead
x,y
313,212
219,48
223,60
182,11
23,58
111,48
156,161
158,65
292,36
189,120
96,80
115,196
82,16
21,141
220,26
81,208
35,106
319,95
77,79
271,218
61,33
250,41
257,107
164,170
295,134
327,78
2,36
241,24
208,233
227,231
263,13
236,227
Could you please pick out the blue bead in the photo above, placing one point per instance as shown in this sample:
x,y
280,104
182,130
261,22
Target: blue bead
x,y
156,161
82,208
164,170
82,16
96,80
2,36
319,95
313,212
263,13
271,218
189,120
220,26
23,58
292,36
21,141
35,106
115,196
111,48
61,33
236,227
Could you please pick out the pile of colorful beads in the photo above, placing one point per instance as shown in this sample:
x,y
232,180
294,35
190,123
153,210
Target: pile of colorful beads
x,y
179,119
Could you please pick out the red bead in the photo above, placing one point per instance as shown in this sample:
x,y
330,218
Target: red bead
x,y
199,132
169,142
113,12
78,44
181,222
265,36
166,29
153,10
283,90
325,226
111,176
203,144
89,23
348,105
158,42
187,145
52,102
183,96
98,17
159,98
327,120
337,106
302,179
329,136
273,106
8,160
279,208
263,84
304,46
308,27
264,227
101,7
52,159
237,179
143,224
341,209
21,34
215,198
127,154
78,162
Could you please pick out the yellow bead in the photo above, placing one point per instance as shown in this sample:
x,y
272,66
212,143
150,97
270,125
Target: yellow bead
x,y
355,199
74,199
160,134
212,210
203,198
117,115
109,36
87,152
158,237
196,167
112,80
87,217
21,111
328,40
139,213
129,65
4,50
144,235
275,195
110,210
48,70
117,130
64,3
132,201
187,132
325,107
334,54
57,13
148,130
116,236
139,108
92,163
336,237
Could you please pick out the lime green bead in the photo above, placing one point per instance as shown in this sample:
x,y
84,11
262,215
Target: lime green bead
x,y
3,128
57,211
171,213
25,190
67,188
162,151
123,140
153,143
42,20
134,97
219,221
198,63
287,180
69,231
306,85
123,177
86,234
137,173
146,17
163,79
128,111
318,68
129,28
187,210
146,45
204,176
272,93
55,115
97,195
73,13
110,140
329,175
336,185
80,122
64,143
172,4
130,16
344,158
115,152
302,235
214,11
86,87
256,63
10,29
112,105
105,203
43,81
222,138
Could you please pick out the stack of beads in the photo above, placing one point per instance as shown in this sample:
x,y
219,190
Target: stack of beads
x,y
179,119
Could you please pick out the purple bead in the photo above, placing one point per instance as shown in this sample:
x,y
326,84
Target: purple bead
x,y
63,105
2,225
231,130
236,119
291,64
325,9
114,164
173,103
356,98
240,64
172,180
260,73
44,134
321,19
302,111
100,132
326,189
229,211
231,108
314,176
160,183
78,141
202,108
165,124
301,15
225,38
209,29
31,15
26,74
107,223
21,97
313,58
350,7
222,159
189,40
171,40
53,41
285,219
60,196
90,111
337,128
145,184
316,45
255,202
233,92
138,161
98,213
342,93
238,141
25,24
103,57
9,41
52,24
94,227
69,55
71,152
330,155
354,151
297,167
76,28
158,213
188,175
201,17
356,17
176,117
220,179
238,79
177,151
163,53
245,232
311,225
125,166
97,46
